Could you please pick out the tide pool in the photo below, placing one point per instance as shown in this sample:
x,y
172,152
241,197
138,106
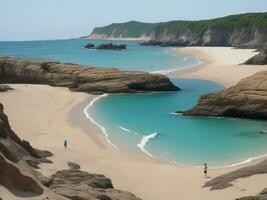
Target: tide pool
x,y
146,123
135,58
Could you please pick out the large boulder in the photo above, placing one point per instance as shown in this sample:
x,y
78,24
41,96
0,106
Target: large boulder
x,y
89,46
259,59
81,78
247,99
75,184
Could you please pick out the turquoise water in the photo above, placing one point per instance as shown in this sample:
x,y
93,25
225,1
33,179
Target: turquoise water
x,y
130,119
145,123
136,57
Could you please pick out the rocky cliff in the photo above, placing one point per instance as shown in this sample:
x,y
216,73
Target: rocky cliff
x,y
131,29
244,30
81,78
18,161
247,99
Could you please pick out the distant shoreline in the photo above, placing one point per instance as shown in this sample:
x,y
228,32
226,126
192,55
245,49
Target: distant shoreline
x,y
141,39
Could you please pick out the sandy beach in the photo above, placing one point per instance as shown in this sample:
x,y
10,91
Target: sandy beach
x,y
46,116
219,64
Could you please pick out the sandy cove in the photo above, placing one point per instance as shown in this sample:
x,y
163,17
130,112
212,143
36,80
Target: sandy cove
x,y
47,115
220,64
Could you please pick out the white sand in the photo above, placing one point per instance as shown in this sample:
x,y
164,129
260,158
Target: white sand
x,y
47,115
220,64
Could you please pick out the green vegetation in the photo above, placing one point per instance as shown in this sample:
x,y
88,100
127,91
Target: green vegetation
x,y
130,29
243,21
137,29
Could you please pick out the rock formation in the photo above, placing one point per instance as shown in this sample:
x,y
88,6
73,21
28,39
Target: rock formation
x,y
14,156
75,184
89,46
260,59
247,99
111,46
81,78
18,160
4,88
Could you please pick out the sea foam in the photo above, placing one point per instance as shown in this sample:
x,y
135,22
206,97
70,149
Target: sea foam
x,y
144,142
127,130
85,110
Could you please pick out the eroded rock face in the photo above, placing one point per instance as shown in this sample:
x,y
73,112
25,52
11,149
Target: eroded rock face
x,y
247,99
13,179
81,78
76,184
260,59
14,154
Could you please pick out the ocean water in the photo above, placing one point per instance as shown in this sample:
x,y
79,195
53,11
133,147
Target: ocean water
x,y
146,123
136,57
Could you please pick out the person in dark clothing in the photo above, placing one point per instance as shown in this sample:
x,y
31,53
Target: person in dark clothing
x,y
65,144
205,169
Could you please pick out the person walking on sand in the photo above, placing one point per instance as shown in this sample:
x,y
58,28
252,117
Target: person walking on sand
x,y
65,144
205,169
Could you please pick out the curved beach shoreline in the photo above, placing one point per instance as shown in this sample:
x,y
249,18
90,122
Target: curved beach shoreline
x,y
220,64
146,139
54,114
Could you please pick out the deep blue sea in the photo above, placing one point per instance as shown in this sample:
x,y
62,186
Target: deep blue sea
x,y
135,58
146,123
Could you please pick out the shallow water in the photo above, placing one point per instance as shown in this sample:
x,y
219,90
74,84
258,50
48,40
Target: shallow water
x,y
146,122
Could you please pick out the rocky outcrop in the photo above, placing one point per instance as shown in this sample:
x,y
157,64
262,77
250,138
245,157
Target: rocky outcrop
x,y
260,59
111,46
12,178
247,99
75,184
89,46
15,173
81,78
4,88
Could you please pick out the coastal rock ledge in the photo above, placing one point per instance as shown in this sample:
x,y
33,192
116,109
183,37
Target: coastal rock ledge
x,y
81,78
247,99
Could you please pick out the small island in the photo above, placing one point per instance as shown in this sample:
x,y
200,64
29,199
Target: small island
x,y
108,46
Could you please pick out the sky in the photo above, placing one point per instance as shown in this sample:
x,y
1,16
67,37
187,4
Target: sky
x,y
63,19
